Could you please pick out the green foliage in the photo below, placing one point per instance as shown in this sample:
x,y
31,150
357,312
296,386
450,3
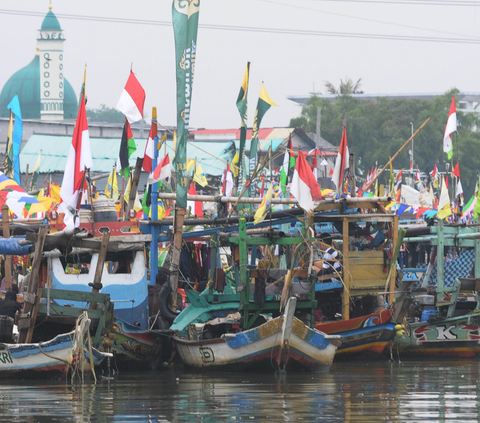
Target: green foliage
x,y
376,130
105,114
345,88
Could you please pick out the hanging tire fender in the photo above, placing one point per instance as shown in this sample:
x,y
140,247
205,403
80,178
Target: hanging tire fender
x,y
163,297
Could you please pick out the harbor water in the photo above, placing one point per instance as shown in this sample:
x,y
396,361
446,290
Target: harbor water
x,y
381,391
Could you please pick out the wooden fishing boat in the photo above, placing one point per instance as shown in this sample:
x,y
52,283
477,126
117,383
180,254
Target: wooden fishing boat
x,y
284,342
53,357
447,323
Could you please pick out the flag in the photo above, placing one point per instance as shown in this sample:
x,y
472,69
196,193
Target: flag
x,y
147,199
235,162
111,190
149,152
476,210
456,171
263,105
14,108
242,109
292,162
444,208
132,100
264,206
128,189
55,193
314,163
191,165
185,27
304,185
284,172
162,171
434,175
8,163
398,186
35,172
244,208
194,206
459,190
127,148
342,162
79,159
450,128
199,176
227,181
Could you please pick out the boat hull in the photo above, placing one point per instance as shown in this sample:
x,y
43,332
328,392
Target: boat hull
x,y
261,346
453,337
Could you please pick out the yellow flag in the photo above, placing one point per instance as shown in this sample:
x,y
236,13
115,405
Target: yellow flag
x,y
234,165
111,190
55,193
264,206
199,176
126,194
444,209
190,165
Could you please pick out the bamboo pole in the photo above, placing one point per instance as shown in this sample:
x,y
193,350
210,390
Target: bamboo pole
x,y
396,155
8,259
97,279
134,186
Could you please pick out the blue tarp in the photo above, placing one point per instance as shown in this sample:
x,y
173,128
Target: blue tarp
x,y
10,246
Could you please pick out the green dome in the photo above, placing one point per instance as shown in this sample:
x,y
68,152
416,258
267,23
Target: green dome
x,y
26,83
50,23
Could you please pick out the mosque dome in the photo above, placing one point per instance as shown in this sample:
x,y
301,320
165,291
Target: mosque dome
x,y
26,83
50,23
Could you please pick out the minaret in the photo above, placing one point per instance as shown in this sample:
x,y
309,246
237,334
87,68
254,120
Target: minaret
x,y
50,43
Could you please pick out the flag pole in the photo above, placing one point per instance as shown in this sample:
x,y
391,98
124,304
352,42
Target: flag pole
x,y
395,155
154,204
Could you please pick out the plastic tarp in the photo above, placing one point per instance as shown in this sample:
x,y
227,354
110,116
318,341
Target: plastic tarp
x,y
10,246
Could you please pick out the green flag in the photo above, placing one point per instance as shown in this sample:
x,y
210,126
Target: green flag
x,y
242,109
8,164
185,26
476,210
264,103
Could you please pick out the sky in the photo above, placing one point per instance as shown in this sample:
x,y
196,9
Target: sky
x,y
326,41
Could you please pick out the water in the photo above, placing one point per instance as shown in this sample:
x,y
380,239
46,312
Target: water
x,y
347,392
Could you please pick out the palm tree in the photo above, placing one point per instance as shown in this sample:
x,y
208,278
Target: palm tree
x,y
346,87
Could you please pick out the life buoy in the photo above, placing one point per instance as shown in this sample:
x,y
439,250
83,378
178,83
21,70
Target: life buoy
x,y
163,299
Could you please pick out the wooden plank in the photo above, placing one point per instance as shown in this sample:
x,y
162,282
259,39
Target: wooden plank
x,y
374,261
370,284
68,311
365,272
97,278
63,294
33,319
370,254
33,282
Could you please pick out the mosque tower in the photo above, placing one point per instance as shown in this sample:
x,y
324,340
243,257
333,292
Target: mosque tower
x,y
50,44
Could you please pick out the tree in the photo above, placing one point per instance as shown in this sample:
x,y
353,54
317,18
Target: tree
x,y
346,87
105,114
376,130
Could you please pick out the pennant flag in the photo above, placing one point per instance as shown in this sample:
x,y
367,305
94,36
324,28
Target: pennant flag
x,y
264,206
194,206
402,208
79,159
244,208
450,128
444,208
304,185
190,165
476,210
459,190
242,109
284,172
263,105
55,194
14,108
200,177
162,171
342,162
8,163
456,171
235,162
149,152
132,100
314,163
434,175
17,200
128,189
35,172
127,148
185,28
398,186
292,161
227,181
111,190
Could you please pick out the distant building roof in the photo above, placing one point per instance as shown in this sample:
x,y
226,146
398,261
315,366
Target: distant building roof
x,y
464,96
50,23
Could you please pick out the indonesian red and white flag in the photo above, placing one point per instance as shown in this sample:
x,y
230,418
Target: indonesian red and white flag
x,y
227,181
434,173
79,159
132,100
304,186
315,163
149,153
342,162
162,171
450,128
195,206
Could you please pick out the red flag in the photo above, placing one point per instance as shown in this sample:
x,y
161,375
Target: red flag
x,y
162,171
195,206
456,171
132,100
149,149
341,163
304,186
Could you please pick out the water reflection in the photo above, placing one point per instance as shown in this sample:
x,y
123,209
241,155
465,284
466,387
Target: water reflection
x,y
348,392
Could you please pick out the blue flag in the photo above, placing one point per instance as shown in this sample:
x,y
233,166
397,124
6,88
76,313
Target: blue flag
x,y
14,106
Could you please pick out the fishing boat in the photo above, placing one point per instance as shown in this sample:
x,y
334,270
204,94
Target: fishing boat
x,y
59,355
446,320
282,342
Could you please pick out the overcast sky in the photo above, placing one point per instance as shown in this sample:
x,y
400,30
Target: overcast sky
x,y
289,64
